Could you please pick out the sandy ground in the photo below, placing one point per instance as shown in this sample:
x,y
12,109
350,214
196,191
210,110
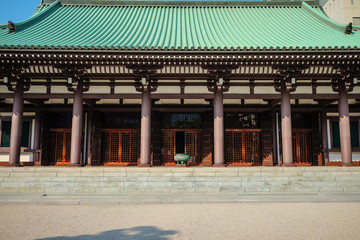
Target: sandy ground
x,y
181,221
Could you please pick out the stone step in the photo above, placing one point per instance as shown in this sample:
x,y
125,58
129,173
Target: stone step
x,y
242,180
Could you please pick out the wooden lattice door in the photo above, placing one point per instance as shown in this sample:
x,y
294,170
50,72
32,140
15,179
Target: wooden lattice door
x,y
60,146
192,146
120,147
302,146
243,147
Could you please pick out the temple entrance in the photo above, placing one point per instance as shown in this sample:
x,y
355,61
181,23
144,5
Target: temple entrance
x,y
120,146
242,147
242,139
186,141
302,146
60,146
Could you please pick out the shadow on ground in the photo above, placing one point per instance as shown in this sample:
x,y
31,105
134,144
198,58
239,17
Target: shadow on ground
x,y
138,233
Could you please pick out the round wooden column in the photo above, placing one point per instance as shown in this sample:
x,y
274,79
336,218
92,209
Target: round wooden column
x,y
76,129
344,124
325,147
218,129
286,131
16,125
145,142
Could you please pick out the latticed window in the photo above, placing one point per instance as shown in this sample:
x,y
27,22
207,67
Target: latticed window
x,y
302,146
120,147
242,121
61,146
242,147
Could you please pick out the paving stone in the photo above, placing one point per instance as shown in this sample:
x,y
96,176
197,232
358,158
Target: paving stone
x,y
256,189
183,185
135,179
31,190
229,184
352,188
37,184
23,169
135,184
325,184
344,183
249,169
227,174
229,179
9,190
160,174
271,169
294,174
107,190
4,174
281,189
231,189
253,179
182,174
272,174
182,179
111,179
111,184
205,179
183,190
82,190
133,190
306,189
205,184
14,179
68,174
12,184
207,190
158,190
87,184
21,174
136,169
317,174
158,179
277,179
331,189
114,174
46,169
63,179
316,169
204,174
87,179
92,174
57,189
45,174
159,184
253,184
114,169
62,184
249,174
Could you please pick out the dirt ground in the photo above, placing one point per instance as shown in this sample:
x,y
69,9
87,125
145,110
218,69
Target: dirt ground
x,y
181,221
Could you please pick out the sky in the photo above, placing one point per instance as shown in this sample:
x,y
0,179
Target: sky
x,y
19,10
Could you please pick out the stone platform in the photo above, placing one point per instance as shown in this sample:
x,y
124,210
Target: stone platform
x,y
239,180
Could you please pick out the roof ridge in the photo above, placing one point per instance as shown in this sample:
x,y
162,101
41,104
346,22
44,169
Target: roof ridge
x,y
325,19
183,3
23,24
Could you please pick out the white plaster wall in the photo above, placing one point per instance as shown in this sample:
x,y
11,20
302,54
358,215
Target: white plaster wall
x,y
59,89
132,101
303,90
168,89
168,101
125,89
98,89
265,90
37,89
324,89
24,157
195,101
336,157
238,90
232,101
196,89
4,89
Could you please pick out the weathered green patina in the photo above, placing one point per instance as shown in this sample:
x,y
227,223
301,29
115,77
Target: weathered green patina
x,y
118,25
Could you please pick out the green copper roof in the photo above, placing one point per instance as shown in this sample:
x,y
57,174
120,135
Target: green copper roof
x,y
184,25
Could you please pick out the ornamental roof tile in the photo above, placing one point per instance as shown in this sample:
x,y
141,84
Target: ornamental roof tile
x,y
143,25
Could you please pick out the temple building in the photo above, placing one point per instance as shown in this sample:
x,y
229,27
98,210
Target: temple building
x,y
132,83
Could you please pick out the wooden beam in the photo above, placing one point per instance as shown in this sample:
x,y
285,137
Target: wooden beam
x,y
36,102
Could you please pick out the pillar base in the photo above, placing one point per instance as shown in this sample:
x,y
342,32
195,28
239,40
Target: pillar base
x,y
348,164
145,165
15,165
74,165
287,165
219,165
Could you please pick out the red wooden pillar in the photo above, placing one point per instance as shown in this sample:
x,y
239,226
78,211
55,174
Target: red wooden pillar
x,y
286,131
145,142
325,147
344,124
76,129
219,159
16,124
